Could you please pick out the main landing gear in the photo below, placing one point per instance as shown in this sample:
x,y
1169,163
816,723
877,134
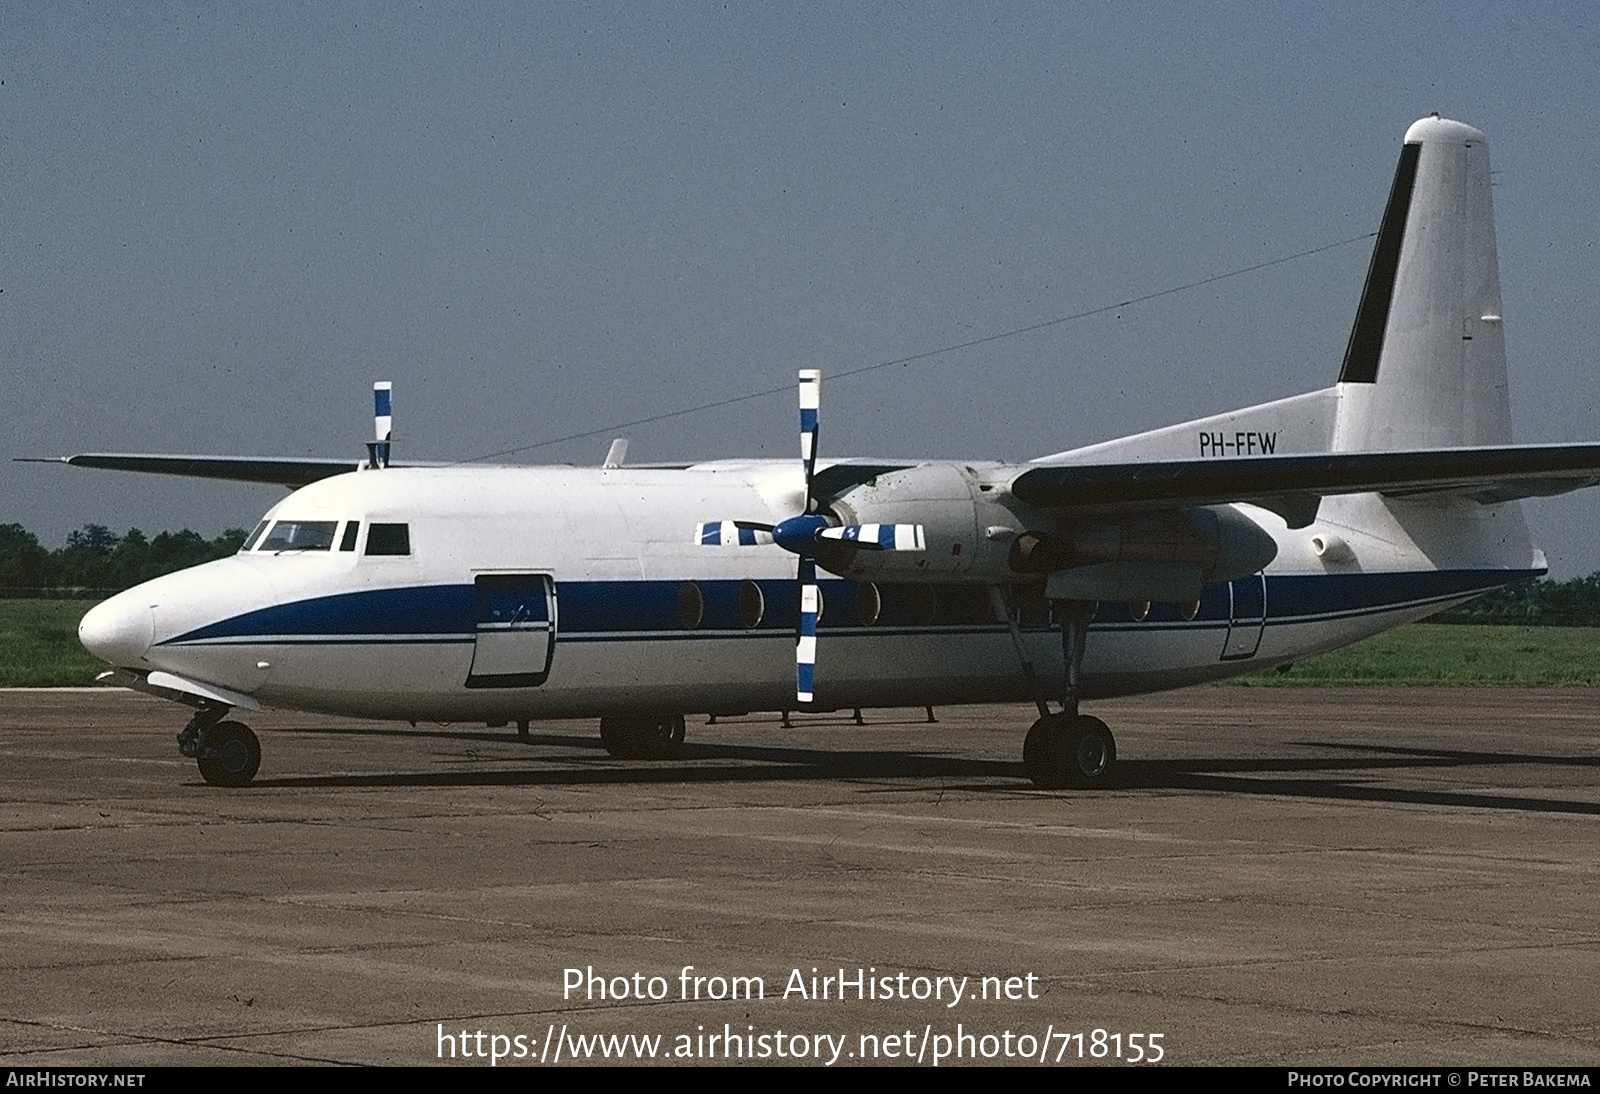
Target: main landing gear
x,y
1063,748
1062,751
649,737
228,753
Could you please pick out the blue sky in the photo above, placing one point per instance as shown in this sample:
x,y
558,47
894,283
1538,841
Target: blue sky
x,y
224,222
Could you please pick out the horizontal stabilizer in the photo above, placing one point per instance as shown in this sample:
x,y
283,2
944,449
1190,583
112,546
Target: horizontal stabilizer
x,y
1489,474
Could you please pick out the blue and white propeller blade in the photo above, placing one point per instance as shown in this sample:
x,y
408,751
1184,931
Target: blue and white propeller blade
x,y
805,646
732,533
382,421
810,406
805,534
877,537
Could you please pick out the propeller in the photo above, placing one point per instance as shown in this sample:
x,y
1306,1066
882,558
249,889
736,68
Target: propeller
x,y
382,423
807,534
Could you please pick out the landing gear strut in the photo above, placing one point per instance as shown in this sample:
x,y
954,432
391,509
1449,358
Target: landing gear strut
x,y
227,753
1063,748
651,737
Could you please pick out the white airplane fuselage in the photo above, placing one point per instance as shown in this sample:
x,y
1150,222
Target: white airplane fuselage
x,y
626,614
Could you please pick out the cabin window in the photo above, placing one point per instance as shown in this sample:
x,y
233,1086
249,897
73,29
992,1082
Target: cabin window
x,y
351,530
691,605
869,604
255,535
300,535
752,605
389,539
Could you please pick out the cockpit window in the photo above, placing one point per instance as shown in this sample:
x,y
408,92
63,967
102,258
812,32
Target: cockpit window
x,y
389,539
300,535
347,542
251,541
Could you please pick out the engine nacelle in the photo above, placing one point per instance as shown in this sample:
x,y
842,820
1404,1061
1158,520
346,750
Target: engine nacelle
x,y
955,508
1221,543
976,532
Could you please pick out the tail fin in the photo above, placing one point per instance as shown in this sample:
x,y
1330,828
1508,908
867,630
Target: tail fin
x,y
1426,362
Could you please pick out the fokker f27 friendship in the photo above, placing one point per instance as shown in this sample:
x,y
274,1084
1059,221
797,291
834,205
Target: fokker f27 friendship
x,y
639,595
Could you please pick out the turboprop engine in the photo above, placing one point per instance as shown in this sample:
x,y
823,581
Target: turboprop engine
x,y
960,523
975,531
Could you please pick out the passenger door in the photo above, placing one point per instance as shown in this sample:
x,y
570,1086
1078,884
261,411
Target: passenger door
x,y
516,630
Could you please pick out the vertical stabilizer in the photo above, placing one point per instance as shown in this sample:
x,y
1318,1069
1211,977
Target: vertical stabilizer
x,y
1426,362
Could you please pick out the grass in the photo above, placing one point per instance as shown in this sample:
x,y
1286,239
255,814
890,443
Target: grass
x,y
1453,655
39,648
39,645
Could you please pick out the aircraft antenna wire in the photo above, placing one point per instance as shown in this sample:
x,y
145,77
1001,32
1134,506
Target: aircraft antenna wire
x,y
836,376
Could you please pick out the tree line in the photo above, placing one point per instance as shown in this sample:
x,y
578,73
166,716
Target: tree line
x,y
97,562
1535,602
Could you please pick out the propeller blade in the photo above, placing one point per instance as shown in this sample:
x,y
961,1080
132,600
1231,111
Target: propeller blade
x,y
878,537
732,533
810,403
382,421
805,647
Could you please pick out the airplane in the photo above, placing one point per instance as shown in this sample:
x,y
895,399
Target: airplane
x,y
639,595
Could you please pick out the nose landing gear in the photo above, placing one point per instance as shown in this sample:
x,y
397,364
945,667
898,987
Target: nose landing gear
x,y
227,753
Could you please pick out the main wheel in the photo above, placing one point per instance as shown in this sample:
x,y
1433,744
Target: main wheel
x,y
655,737
1056,754
1044,751
1093,752
230,756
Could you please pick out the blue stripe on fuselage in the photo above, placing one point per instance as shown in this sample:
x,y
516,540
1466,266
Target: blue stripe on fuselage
x,y
615,609
416,610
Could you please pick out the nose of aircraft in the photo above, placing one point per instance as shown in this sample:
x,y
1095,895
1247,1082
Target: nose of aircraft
x,y
119,630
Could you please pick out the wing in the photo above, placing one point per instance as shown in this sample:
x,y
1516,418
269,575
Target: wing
x,y
277,470
290,471
1293,485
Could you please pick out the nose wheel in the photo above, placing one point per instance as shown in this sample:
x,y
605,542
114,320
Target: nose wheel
x,y
227,753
